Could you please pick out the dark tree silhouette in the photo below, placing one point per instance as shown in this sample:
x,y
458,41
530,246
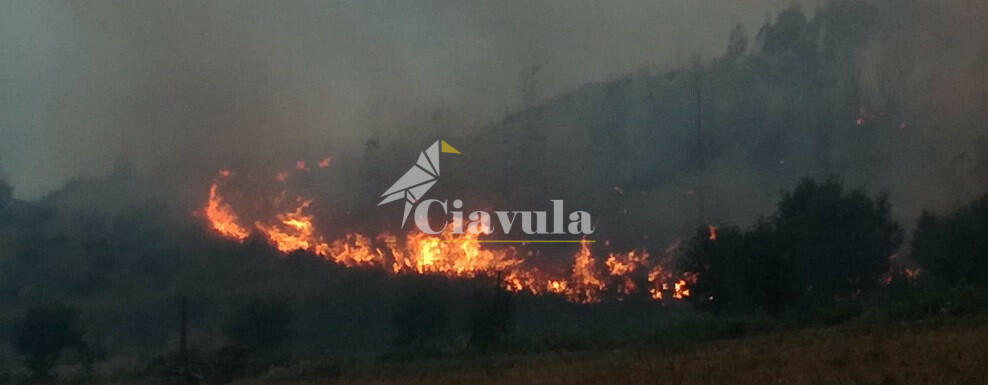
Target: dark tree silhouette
x,y
839,242
724,265
954,248
737,43
42,335
821,245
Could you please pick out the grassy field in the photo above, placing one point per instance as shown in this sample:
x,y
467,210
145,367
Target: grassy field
x,y
927,352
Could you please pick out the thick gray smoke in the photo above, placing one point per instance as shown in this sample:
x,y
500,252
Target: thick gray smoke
x,y
182,89
187,87
929,63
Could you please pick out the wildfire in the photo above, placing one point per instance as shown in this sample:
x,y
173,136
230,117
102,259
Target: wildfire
x,y
355,250
586,283
454,255
450,254
621,266
325,162
219,214
294,231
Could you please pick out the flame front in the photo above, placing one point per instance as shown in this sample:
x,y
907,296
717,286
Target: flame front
x,y
220,215
449,254
586,283
454,255
294,231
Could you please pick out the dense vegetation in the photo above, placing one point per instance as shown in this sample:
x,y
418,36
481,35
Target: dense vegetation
x,y
823,244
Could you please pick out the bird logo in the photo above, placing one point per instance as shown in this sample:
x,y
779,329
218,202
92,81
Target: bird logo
x,y
418,179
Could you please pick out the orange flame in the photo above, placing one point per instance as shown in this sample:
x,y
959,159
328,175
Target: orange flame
x,y
622,265
454,255
221,216
355,250
325,162
450,254
586,283
294,231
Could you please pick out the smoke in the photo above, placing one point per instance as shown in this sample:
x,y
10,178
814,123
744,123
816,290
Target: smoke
x,y
186,87
182,89
928,63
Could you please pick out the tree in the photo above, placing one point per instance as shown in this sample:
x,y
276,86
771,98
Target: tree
x,y
821,245
792,35
737,43
771,282
724,266
43,333
838,242
954,248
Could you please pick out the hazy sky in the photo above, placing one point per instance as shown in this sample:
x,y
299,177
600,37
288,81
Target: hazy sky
x,y
183,84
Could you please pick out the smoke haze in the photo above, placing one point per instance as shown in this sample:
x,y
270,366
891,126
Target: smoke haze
x,y
187,87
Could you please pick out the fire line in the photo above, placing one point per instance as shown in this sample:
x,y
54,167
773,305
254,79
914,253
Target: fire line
x,y
529,240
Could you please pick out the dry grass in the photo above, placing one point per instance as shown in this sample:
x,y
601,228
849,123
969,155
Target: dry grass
x,y
947,355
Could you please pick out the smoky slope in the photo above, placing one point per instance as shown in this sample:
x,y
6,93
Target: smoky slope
x,y
651,155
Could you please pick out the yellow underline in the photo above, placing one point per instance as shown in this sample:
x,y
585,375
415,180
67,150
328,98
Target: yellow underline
x,y
526,240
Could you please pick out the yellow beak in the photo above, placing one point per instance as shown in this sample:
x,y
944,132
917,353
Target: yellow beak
x,y
448,149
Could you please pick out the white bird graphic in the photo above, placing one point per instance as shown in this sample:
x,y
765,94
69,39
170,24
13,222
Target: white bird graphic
x,y
418,179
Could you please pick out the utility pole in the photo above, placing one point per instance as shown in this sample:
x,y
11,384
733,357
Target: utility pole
x,y
183,327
